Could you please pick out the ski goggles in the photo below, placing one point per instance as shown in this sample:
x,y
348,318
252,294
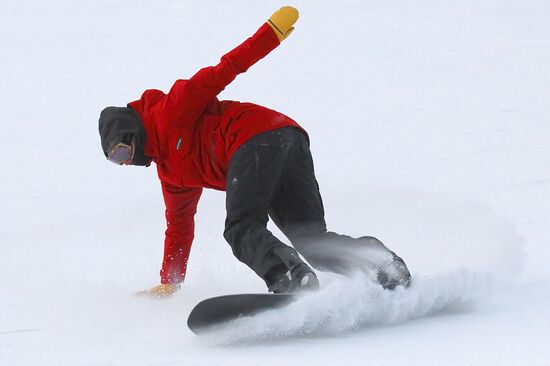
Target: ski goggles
x,y
121,153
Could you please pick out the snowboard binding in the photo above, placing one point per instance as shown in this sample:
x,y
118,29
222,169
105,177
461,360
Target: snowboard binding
x,y
291,276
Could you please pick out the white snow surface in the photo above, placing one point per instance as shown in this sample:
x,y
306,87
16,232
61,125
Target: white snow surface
x,y
430,130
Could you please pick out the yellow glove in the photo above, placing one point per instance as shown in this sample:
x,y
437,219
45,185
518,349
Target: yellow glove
x,y
161,291
282,21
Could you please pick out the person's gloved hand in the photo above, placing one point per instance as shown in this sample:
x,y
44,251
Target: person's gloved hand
x,y
282,21
161,291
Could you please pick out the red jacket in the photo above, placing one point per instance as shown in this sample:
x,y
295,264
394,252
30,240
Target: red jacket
x,y
191,136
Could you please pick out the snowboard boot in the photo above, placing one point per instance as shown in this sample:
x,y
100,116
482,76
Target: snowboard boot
x,y
389,273
291,276
397,275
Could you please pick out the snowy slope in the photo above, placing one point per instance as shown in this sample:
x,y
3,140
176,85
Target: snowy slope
x,y
429,127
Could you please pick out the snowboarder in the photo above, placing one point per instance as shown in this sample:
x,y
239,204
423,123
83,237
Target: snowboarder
x,y
260,157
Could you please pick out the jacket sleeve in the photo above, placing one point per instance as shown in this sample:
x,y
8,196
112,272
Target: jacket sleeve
x,y
190,97
181,206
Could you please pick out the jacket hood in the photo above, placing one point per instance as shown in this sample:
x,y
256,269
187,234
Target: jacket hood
x,y
116,123
148,99
144,108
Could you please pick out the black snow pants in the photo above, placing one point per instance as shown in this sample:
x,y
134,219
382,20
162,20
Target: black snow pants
x,y
272,175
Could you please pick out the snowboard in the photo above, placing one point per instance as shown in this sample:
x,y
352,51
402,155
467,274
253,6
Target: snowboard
x,y
215,311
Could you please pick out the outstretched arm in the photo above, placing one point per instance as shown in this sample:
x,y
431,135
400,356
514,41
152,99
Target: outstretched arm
x,y
181,206
190,97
